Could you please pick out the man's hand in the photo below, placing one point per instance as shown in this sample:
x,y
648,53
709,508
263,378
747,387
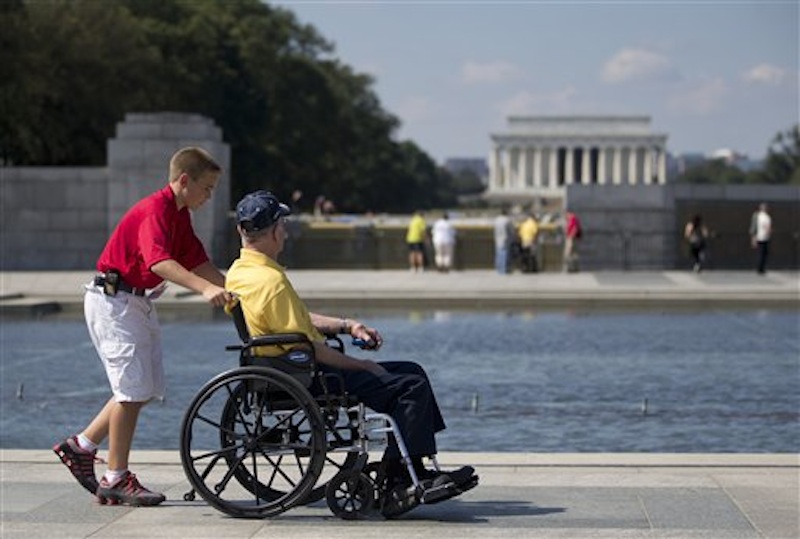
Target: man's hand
x,y
370,335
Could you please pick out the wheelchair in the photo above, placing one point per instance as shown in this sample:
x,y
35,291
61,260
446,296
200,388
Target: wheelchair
x,y
255,442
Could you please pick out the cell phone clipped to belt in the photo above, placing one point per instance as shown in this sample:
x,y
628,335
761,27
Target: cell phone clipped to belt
x,y
111,283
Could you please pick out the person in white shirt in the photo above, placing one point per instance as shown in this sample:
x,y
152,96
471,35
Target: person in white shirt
x,y
761,236
444,242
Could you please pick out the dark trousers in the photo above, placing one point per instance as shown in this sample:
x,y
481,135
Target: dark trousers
x,y
763,252
528,260
406,395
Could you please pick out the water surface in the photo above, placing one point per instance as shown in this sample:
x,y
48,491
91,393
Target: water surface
x,y
556,381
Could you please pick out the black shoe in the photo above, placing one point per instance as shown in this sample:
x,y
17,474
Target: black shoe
x,y
445,486
460,476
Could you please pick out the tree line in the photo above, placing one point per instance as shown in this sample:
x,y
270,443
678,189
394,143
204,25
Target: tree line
x,y
781,166
296,117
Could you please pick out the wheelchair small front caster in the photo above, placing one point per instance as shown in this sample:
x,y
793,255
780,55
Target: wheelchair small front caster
x,y
189,496
350,495
374,471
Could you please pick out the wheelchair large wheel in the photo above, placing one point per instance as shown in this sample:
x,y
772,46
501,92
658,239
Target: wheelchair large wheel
x,y
335,462
253,442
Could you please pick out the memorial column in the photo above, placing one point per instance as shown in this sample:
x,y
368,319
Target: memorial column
x,y
493,170
569,166
601,165
586,158
507,167
537,167
522,159
632,179
617,165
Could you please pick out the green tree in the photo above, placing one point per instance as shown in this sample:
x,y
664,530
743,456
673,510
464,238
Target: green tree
x,y
71,70
467,182
295,117
783,158
715,171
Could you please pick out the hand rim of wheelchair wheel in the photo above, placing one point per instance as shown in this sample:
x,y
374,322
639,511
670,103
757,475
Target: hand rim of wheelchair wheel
x,y
226,386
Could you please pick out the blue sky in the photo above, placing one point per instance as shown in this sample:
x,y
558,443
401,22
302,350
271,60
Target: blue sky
x,y
710,74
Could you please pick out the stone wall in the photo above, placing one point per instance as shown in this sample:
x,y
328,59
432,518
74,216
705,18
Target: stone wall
x,y
52,218
59,218
640,227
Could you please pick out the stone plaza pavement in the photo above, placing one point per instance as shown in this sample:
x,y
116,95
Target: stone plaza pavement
x,y
521,495
43,292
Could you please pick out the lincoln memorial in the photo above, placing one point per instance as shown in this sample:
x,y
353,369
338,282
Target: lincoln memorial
x,y
537,156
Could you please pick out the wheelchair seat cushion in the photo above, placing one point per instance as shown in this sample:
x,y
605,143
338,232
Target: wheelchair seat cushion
x,y
297,363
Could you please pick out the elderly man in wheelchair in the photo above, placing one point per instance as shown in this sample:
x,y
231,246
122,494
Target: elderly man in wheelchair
x,y
298,401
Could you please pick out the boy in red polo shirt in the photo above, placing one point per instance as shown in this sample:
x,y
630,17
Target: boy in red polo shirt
x,y
154,242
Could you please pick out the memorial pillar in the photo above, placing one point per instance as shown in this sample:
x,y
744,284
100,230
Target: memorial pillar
x,y
662,166
632,179
506,168
553,180
586,159
601,166
537,167
569,166
617,165
523,168
648,166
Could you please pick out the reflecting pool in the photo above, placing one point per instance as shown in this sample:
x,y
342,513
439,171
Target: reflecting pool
x,y
554,381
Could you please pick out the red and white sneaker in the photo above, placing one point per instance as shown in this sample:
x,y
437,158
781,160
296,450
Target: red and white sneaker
x,y
127,490
79,461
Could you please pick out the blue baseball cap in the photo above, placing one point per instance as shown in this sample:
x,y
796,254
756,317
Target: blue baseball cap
x,y
260,210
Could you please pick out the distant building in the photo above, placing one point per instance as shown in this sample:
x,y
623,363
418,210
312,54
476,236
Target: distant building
x,y
538,156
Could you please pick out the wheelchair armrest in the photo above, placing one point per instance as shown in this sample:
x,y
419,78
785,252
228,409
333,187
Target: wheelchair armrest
x,y
277,338
333,341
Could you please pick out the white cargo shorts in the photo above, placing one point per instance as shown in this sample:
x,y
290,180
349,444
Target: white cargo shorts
x,y
126,334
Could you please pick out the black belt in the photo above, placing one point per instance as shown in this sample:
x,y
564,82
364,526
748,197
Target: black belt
x,y
100,280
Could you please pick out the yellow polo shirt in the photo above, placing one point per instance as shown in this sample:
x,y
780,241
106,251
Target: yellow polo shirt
x,y
416,230
528,231
269,301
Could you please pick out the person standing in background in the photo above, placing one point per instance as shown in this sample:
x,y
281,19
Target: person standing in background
x,y
528,233
504,233
444,242
761,236
573,232
415,239
696,234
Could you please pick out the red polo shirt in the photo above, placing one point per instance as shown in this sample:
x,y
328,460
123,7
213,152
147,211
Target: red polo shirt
x,y
151,231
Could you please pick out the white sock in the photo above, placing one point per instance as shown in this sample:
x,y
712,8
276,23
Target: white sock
x,y
86,444
112,477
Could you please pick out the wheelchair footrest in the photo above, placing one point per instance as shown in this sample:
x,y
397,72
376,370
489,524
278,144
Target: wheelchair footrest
x,y
439,493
